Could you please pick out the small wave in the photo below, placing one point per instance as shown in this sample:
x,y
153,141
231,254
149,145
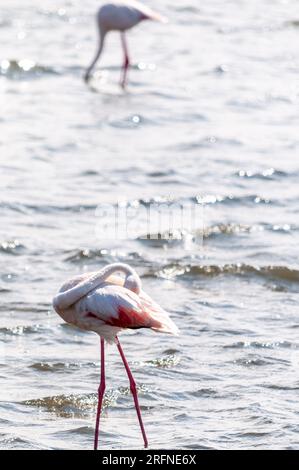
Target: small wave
x,y
145,66
90,173
84,254
16,442
253,362
205,199
204,392
59,366
79,405
171,351
26,307
46,209
220,69
24,68
173,270
4,290
164,362
21,330
11,247
67,405
79,430
186,9
236,200
174,237
133,121
161,173
158,202
261,345
160,239
207,142
57,13
267,174
235,229
126,390
4,23
76,256
293,23
229,229
281,387
252,434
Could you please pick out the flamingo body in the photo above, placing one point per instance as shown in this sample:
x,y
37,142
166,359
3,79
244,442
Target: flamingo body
x,y
118,17
125,15
107,304
109,308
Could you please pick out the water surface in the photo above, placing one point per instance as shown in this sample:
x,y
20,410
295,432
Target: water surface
x,y
210,119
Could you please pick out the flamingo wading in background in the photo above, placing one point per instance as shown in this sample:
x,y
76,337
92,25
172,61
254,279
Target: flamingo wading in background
x,y
108,303
120,16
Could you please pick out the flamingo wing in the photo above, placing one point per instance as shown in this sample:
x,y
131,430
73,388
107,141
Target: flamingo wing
x,y
111,308
119,307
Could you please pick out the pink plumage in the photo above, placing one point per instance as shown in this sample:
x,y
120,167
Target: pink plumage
x,y
100,302
107,303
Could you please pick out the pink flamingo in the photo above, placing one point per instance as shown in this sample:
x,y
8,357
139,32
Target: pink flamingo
x,y
120,16
107,303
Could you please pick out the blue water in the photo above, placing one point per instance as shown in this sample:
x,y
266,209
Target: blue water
x,y
209,123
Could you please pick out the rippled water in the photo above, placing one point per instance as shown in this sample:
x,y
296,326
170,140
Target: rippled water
x,y
211,118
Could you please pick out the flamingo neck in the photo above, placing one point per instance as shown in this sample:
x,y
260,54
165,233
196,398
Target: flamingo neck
x,y
132,280
97,56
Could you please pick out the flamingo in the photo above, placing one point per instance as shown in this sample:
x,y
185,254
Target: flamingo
x,y
120,16
107,303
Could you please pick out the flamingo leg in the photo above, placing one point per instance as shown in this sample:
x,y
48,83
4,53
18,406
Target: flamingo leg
x,y
101,391
126,64
133,391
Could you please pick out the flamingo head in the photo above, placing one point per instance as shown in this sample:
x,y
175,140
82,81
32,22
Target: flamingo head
x,y
133,283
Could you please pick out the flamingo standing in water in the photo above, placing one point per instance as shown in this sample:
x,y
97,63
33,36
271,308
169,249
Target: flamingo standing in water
x,y
108,303
120,16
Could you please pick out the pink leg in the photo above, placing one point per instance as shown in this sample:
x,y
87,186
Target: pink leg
x,y
133,391
126,64
101,392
